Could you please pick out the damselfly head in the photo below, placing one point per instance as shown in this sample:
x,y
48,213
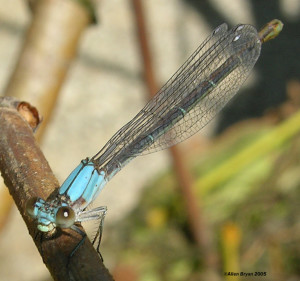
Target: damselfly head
x,y
50,214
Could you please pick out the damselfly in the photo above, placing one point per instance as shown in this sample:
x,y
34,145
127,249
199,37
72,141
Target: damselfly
x,y
201,87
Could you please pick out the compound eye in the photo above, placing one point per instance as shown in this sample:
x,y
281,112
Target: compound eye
x,y
30,206
65,217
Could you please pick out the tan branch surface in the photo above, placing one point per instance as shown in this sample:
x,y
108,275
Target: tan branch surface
x,y
26,173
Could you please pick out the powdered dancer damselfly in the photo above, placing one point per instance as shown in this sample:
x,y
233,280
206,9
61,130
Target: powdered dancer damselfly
x,y
186,103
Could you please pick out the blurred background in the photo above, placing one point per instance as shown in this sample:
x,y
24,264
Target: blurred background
x,y
227,200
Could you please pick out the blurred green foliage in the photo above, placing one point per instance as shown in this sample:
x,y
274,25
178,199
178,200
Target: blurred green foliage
x,y
260,201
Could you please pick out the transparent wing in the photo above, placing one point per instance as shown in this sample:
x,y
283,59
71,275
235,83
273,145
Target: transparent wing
x,y
192,97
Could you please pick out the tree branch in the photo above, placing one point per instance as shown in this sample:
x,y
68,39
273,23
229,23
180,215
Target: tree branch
x,y
26,173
